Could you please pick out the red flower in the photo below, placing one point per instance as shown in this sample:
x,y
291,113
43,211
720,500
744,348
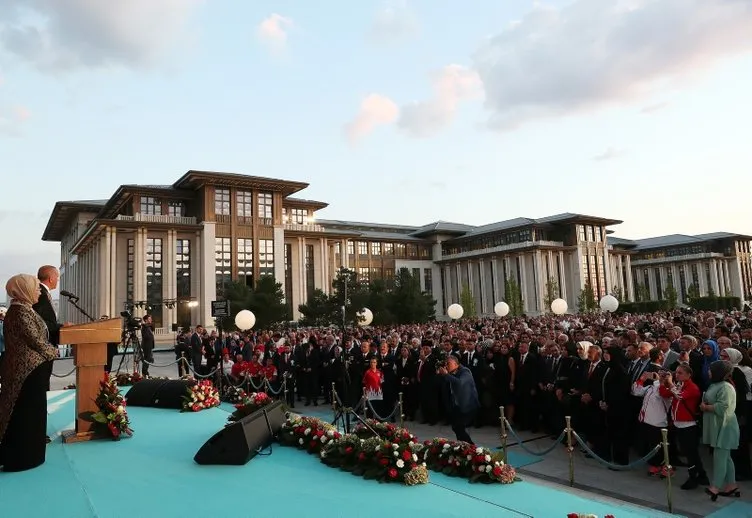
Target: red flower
x,y
348,450
497,471
312,444
573,515
392,473
406,455
384,462
361,456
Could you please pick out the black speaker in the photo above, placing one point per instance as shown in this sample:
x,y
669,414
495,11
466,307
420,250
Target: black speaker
x,y
159,393
239,442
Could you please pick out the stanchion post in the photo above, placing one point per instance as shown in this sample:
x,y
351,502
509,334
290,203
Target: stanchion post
x,y
284,390
503,435
334,400
570,450
667,467
401,411
365,405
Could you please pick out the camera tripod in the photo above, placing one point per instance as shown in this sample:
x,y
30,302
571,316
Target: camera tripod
x,y
130,339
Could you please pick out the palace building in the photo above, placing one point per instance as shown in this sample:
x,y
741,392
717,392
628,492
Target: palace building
x,y
172,248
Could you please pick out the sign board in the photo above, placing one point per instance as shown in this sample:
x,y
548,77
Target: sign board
x,y
220,308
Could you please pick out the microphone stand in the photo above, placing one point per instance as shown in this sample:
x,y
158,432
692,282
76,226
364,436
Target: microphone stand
x,y
74,302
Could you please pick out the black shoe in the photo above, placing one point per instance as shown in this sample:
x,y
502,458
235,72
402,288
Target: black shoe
x,y
691,483
732,493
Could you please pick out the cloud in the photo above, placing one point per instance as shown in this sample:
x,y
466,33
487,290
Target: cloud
x,y
394,24
652,108
61,35
273,31
452,84
12,119
375,110
555,62
609,154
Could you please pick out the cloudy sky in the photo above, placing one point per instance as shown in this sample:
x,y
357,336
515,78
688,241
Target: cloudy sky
x,y
396,112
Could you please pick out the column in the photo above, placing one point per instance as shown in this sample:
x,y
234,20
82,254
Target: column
x,y
483,291
449,296
279,256
727,291
562,277
139,270
208,275
664,280
169,279
115,308
439,292
302,271
324,267
103,283
343,253
541,282
607,271
496,281
458,285
524,283
470,283
630,281
702,278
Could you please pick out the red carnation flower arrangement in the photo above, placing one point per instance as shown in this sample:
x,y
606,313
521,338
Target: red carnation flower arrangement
x,y
200,396
112,413
249,404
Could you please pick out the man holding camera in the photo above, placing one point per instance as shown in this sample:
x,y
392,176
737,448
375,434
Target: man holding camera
x,y
147,345
463,396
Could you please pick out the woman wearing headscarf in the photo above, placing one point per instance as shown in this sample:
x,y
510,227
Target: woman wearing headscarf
x,y
720,429
25,374
741,377
710,354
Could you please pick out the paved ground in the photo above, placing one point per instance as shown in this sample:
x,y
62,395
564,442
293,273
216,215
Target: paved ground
x,y
631,486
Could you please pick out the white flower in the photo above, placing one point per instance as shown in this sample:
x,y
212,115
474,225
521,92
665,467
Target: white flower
x,y
415,458
481,469
307,431
396,454
323,454
323,439
478,450
469,457
378,447
488,458
300,441
456,448
446,446
395,446
400,463
488,469
424,464
330,433
120,409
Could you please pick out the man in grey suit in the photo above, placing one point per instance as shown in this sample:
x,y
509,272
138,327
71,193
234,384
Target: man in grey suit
x,y
670,357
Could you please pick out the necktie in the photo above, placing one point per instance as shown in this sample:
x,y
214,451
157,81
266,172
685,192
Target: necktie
x,y
420,370
592,368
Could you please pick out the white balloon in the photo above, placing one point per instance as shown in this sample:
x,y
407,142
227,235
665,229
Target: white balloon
x,y
245,320
609,303
455,311
501,309
559,306
365,317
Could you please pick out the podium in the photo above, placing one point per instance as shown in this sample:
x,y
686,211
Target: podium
x,y
90,356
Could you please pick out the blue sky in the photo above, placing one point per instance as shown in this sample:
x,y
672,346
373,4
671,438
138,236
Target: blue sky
x,y
394,112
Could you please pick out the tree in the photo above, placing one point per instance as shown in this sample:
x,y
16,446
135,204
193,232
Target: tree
x,y
347,290
618,294
266,301
586,302
642,293
467,301
319,310
693,293
407,302
552,293
513,296
671,296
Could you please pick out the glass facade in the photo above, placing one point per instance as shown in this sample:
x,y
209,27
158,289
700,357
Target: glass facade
x,y
245,261
151,206
183,281
310,270
222,263
266,257
244,204
154,279
130,270
265,206
222,202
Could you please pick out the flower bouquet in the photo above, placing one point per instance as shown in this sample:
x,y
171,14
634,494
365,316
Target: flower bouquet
x,y
385,430
392,461
308,433
124,379
233,395
249,404
112,414
200,396
460,459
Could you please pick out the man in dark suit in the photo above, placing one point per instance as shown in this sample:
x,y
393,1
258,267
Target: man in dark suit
x,y
48,278
147,344
463,400
197,347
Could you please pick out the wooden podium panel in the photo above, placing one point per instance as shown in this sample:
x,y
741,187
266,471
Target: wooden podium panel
x,y
90,348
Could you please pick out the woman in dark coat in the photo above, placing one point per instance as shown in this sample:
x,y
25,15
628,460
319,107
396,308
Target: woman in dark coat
x,y
25,374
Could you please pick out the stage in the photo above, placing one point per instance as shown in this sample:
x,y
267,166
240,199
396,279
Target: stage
x,y
153,474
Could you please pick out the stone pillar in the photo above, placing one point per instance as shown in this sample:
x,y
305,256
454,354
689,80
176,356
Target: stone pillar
x,y
302,270
562,277
727,288
103,284
139,270
607,271
208,276
483,289
448,295
324,267
438,290
169,279
524,283
115,307
630,281
541,282
497,282
279,257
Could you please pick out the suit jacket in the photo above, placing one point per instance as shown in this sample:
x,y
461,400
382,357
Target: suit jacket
x,y
147,338
463,393
44,309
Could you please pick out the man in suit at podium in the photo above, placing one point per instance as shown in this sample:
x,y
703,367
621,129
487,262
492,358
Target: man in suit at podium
x,y
48,278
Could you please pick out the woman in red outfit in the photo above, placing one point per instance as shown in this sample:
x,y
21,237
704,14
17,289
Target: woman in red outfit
x,y
372,381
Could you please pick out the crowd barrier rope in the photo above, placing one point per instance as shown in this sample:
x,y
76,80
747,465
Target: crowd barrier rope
x,y
573,437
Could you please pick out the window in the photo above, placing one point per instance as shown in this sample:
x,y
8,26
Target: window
x,y
176,208
400,250
151,206
362,248
412,251
416,274
428,280
683,283
425,252
266,257
154,279
695,275
298,216
375,274
589,231
388,249
310,270
658,283
350,248
131,257
265,206
222,202
222,263
375,248
183,281
389,276
244,203
364,274
581,232
245,261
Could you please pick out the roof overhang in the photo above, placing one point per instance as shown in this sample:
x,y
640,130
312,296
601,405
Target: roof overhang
x,y
63,213
97,226
197,179
304,204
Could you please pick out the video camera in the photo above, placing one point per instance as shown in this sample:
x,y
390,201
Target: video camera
x,y
131,323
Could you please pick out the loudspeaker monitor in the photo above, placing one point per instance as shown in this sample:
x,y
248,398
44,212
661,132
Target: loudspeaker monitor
x,y
239,442
159,393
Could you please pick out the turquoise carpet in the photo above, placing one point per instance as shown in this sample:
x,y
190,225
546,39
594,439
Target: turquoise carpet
x,y
153,475
735,510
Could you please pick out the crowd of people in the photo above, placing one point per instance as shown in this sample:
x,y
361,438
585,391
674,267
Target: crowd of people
x,y
622,378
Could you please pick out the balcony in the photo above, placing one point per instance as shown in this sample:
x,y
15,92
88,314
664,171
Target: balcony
x,y
150,218
296,227
512,247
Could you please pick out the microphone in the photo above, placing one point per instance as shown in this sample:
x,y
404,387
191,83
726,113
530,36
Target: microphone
x,y
68,294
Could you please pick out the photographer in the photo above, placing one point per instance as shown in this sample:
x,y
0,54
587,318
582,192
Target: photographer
x,y
147,345
463,396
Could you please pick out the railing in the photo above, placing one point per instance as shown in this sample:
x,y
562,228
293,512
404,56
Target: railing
x,y
152,218
303,228
677,259
501,248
